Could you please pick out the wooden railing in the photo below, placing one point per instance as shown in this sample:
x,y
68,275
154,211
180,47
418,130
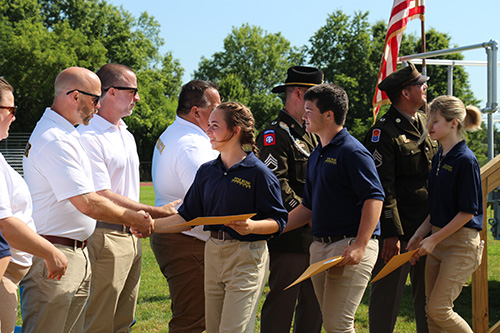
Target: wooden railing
x,y
490,177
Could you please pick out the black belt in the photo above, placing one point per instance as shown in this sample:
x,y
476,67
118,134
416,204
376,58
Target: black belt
x,y
333,239
221,235
113,226
66,241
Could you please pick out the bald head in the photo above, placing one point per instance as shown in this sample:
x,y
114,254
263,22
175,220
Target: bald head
x,y
77,92
77,78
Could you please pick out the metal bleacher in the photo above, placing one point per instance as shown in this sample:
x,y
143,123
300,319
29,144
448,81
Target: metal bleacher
x,y
12,149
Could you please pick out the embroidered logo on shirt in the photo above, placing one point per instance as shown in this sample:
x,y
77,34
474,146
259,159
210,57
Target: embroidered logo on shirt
x,y
377,158
242,182
160,146
447,167
271,162
331,160
27,150
376,135
269,138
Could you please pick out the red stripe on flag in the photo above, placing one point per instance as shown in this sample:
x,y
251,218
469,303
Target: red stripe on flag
x,y
402,12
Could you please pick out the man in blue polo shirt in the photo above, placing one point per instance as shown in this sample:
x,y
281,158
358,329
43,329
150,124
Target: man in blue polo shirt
x,y
343,196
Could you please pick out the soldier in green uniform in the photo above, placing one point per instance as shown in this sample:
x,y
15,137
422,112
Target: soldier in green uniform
x,y
284,147
402,151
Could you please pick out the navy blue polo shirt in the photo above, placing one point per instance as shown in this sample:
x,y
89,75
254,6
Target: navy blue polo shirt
x,y
455,187
246,187
340,177
4,247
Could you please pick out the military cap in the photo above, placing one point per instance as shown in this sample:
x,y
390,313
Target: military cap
x,y
301,76
405,76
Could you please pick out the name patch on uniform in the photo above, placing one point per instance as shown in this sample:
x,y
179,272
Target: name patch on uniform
x,y
242,182
376,135
27,150
269,138
160,146
331,160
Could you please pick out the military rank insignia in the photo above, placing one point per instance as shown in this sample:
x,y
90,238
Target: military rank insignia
x,y
269,138
376,135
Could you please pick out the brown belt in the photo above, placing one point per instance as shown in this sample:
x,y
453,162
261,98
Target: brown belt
x,y
221,235
113,226
66,241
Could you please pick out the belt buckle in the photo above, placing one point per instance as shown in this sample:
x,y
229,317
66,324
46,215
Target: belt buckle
x,y
124,228
221,235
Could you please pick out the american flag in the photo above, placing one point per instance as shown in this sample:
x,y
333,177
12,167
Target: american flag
x,y
402,12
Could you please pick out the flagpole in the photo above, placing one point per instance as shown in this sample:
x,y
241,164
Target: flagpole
x,y
424,66
422,25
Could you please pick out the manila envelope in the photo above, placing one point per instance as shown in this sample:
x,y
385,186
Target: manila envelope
x,y
394,264
317,267
211,220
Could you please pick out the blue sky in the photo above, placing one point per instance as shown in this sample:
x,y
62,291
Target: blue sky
x,y
195,28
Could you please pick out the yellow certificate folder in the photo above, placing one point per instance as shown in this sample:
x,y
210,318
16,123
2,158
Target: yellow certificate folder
x,y
316,268
393,264
211,220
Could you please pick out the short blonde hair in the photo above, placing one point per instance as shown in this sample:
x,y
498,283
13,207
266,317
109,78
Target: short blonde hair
x,y
450,107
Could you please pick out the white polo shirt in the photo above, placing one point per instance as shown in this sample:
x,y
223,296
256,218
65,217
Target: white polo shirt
x,y
178,154
57,168
113,156
15,200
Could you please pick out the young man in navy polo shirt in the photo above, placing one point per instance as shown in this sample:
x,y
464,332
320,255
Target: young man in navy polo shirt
x,y
343,196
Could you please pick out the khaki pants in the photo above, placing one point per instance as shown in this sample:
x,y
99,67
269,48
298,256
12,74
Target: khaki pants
x,y
447,269
116,273
8,296
340,289
52,305
235,273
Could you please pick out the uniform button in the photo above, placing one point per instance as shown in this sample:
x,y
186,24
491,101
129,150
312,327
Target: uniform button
x,y
411,151
426,148
225,173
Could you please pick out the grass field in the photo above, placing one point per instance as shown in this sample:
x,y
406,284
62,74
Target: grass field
x,y
153,308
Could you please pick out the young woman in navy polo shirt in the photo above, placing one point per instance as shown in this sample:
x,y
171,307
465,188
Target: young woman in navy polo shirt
x,y
454,248
236,254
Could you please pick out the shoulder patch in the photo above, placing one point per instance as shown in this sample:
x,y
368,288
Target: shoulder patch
x,y
160,146
27,149
269,138
271,162
376,135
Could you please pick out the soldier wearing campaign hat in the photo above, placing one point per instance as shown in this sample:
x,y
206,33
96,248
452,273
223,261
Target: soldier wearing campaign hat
x,y
284,147
402,151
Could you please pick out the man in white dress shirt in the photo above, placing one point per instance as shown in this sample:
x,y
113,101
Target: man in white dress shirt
x,y
115,254
65,205
179,151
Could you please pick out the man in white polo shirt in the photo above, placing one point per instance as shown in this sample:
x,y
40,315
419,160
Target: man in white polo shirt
x,y
179,151
115,254
65,206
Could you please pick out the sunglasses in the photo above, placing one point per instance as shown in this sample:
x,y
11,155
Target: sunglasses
x,y
96,97
12,109
135,90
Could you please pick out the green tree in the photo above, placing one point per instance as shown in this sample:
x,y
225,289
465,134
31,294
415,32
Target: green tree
x,y
252,62
348,49
40,38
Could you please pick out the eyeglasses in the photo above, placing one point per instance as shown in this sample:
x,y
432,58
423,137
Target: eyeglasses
x,y
12,109
96,97
135,90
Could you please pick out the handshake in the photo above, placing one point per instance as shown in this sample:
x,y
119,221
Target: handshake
x,y
143,224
